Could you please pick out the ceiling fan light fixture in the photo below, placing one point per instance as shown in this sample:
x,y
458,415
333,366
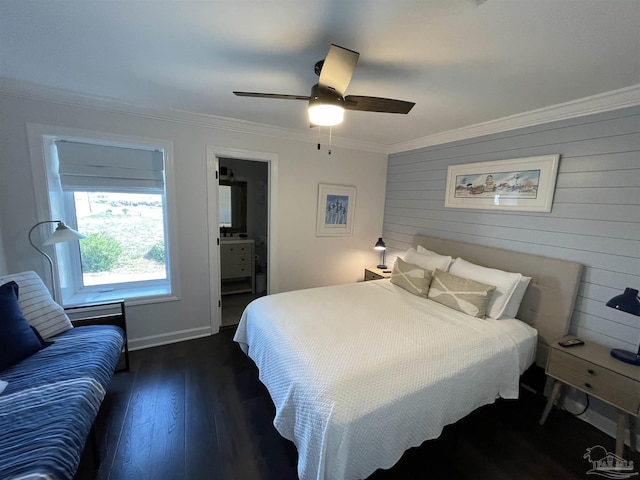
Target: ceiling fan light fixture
x,y
327,101
325,114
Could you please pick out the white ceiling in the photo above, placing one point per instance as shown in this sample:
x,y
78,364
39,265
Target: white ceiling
x,y
461,63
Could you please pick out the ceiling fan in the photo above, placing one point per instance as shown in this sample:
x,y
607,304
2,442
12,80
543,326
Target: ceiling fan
x,y
327,101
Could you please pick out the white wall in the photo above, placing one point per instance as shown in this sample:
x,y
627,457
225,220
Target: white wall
x,y
304,260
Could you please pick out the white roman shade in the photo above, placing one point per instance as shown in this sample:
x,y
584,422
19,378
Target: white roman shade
x,y
90,167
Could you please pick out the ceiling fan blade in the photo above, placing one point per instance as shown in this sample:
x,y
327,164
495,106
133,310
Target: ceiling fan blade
x,y
338,68
272,95
376,104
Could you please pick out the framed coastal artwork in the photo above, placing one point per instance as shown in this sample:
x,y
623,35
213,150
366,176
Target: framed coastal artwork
x,y
522,184
336,207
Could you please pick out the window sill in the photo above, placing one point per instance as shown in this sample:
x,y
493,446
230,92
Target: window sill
x,y
132,296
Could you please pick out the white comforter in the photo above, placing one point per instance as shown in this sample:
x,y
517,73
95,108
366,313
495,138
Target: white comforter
x,y
361,372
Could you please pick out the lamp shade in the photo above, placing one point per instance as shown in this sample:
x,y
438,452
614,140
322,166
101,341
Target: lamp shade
x,y
381,247
627,302
63,234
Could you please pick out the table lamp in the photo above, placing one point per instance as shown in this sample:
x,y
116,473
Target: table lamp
x,y
382,247
627,302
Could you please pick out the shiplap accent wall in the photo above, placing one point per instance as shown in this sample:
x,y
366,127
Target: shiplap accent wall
x,y
595,219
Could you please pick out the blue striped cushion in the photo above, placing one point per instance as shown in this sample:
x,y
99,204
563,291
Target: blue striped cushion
x,y
37,306
46,428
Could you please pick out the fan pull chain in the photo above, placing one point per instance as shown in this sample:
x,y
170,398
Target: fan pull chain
x,y
330,138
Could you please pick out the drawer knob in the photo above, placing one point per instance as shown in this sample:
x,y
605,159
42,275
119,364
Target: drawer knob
x,y
587,384
591,372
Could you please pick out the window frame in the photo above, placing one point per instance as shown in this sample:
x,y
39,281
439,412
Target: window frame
x,y
41,144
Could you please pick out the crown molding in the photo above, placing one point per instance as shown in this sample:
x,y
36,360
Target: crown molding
x,y
614,100
603,102
10,87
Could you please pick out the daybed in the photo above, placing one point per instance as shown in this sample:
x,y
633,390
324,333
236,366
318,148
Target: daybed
x,y
52,396
359,373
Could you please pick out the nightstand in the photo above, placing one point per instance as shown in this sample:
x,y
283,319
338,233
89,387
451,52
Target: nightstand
x,y
106,313
591,369
376,273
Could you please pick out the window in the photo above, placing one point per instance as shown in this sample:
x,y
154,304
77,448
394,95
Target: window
x,y
116,195
125,236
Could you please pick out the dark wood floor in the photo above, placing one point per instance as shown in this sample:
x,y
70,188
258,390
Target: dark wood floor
x,y
196,410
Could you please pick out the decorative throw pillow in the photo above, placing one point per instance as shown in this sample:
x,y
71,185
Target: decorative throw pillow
x,y
505,283
429,262
462,294
37,305
17,339
411,277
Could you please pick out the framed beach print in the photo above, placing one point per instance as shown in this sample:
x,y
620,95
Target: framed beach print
x,y
521,184
336,207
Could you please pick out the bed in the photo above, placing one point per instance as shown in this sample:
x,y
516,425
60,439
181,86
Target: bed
x,y
359,373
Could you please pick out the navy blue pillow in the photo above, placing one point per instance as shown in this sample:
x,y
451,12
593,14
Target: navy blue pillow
x,y
17,339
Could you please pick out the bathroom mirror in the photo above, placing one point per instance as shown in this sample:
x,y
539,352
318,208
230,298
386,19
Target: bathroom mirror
x,y
233,206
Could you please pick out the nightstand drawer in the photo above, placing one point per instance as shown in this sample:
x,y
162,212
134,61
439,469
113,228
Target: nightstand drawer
x,y
595,380
376,274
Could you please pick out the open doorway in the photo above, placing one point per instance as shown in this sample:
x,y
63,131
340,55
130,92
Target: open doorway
x,y
242,200
243,215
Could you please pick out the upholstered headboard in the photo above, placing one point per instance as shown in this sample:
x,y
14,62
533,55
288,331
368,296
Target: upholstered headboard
x,y
548,302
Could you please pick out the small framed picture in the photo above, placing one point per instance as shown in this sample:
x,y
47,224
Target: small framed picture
x,y
336,208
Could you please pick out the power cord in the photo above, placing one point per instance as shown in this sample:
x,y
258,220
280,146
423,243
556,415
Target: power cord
x,y
586,396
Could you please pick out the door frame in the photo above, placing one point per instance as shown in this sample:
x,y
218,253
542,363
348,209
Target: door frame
x,y
213,155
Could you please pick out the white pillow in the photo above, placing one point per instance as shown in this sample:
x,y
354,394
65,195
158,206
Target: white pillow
x,y
511,310
505,283
3,385
37,306
428,262
424,251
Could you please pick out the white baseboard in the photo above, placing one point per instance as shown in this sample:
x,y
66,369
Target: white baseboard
x,y
167,338
601,421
